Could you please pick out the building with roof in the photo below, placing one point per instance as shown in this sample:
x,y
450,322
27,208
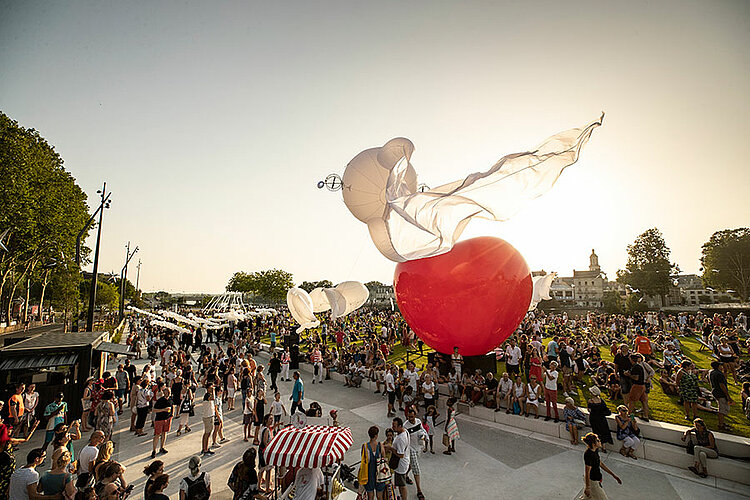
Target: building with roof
x,y
56,362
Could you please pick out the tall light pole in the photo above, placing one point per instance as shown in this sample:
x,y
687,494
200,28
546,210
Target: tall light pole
x,y
124,278
138,276
92,295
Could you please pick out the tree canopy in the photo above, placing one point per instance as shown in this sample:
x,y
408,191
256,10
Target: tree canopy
x,y
309,286
648,269
42,207
726,261
270,285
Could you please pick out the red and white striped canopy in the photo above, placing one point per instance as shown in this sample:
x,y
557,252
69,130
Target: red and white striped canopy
x,y
311,446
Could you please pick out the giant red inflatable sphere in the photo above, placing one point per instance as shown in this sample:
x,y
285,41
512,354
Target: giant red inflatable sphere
x,y
473,297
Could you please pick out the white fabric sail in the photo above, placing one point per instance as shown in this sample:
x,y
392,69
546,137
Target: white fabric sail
x,y
301,306
319,299
355,294
541,288
380,189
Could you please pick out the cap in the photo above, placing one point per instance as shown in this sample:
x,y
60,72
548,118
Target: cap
x,y
569,400
595,390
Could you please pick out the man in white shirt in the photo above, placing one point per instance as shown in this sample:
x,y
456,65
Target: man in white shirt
x,y
390,388
24,481
89,452
400,448
550,390
512,359
504,388
411,375
307,483
417,437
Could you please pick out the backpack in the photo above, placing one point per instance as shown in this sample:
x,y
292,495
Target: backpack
x,y
197,489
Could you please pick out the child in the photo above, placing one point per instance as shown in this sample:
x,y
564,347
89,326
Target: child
x,y
248,415
408,398
219,420
429,419
260,411
451,429
277,410
231,388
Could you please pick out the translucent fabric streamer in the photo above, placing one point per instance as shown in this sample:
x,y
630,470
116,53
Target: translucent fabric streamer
x,y
380,189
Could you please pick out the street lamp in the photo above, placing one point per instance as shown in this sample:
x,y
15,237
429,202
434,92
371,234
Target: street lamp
x,y
124,277
92,296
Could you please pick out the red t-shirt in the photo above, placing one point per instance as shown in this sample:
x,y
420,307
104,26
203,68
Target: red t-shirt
x,y
339,337
642,345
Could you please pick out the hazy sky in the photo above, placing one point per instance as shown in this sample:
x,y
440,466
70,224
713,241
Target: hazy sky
x,y
212,122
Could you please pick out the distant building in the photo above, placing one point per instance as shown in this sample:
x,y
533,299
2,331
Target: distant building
x,y
382,296
693,293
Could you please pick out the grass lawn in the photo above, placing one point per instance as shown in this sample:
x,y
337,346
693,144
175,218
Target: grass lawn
x,y
662,407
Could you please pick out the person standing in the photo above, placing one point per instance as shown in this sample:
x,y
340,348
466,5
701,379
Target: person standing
x,y
16,409
598,413
163,410
55,412
720,391
390,389
372,451
298,393
550,390
512,359
88,454
417,441
274,368
317,360
285,359
24,481
457,361
209,413
123,387
400,448
30,402
197,484
593,469
637,393
143,400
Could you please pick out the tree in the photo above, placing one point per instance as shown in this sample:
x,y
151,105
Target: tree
x,y
613,303
271,285
309,286
635,303
726,261
648,269
374,285
41,205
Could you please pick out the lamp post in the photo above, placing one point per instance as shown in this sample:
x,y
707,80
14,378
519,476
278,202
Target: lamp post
x,y
137,276
124,277
92,295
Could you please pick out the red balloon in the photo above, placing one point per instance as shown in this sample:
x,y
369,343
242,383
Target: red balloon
x,y
473,297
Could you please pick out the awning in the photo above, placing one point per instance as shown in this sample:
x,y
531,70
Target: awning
x,y
41,361
114,348
311,446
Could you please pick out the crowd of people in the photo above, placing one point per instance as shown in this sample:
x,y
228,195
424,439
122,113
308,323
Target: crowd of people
x,y
216,372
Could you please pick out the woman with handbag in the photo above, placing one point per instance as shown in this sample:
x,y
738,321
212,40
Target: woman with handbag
x,y
374,473
627,432
703,448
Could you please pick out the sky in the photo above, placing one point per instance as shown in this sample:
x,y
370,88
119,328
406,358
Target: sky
x,y
212,122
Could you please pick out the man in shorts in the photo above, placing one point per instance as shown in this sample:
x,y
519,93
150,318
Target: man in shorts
x,y
163,409
504,387
400,448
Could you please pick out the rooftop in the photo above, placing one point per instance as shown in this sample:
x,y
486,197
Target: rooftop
x,y
57,340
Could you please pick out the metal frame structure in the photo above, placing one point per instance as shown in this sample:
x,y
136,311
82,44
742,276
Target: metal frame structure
x,y
227,301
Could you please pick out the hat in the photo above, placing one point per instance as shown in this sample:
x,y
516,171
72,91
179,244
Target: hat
x,y
570,400
595,390
194,463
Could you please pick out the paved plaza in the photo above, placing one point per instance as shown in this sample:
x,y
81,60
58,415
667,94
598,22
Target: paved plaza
x,y
492,460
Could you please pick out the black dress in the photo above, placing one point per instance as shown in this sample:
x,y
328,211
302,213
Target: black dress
x,y
598,413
